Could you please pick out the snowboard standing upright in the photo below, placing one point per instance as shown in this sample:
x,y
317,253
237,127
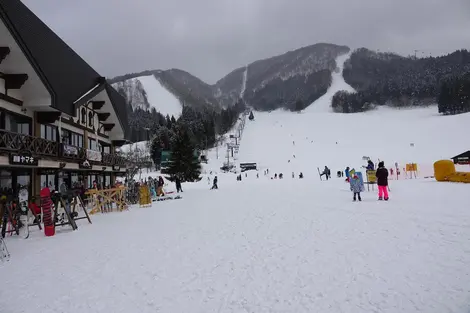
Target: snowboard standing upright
x,y
23,196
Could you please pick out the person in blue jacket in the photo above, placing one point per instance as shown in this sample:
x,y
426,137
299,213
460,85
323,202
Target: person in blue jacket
x,y
346,173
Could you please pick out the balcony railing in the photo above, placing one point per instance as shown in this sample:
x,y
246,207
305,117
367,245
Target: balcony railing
x,y
15,142
73,153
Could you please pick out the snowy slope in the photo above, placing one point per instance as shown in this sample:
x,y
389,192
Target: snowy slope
x,y
339,140
159,97
323,104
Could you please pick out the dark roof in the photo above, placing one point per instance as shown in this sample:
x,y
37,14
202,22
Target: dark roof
x,y
463,158
119,105
64,73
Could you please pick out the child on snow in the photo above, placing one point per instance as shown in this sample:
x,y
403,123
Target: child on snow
x,y
382,181
356,187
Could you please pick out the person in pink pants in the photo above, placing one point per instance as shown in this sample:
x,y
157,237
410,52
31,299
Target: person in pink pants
x,y
382,181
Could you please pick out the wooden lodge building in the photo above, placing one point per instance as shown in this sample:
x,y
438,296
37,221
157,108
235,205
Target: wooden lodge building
x,y
59,119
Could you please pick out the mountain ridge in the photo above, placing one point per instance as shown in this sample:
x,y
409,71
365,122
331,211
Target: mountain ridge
x,y
304,68
297,78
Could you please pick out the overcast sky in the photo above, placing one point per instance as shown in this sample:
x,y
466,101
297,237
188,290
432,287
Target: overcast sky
x,y
210,38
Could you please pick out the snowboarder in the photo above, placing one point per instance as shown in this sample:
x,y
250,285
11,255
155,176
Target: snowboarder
x,y
301,175
178,184
275,175
214,184
382,181
356,187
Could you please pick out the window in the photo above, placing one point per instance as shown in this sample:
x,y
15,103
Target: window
x,y
94,145
66,136
77,140
49,181
106,149
5,181
71,138
83,114
49,132
17,124
90,119
107,181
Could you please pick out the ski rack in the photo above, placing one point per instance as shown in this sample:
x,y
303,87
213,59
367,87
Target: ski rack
x,y
71,216
105,198
10,206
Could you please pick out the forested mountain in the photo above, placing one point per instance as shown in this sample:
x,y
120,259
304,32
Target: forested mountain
x,y
296,79
390,79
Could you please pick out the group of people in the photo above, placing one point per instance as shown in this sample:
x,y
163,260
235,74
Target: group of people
x,y
382,181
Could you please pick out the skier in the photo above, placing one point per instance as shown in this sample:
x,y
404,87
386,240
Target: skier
x,y
382,181
326,172
257,175
293,176
214,185
301,175
178,184
356,187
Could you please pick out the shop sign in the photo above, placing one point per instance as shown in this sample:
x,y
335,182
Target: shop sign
x,y
116,168
93,155
23,159
85,165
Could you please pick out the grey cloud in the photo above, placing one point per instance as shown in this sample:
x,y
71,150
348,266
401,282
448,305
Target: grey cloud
x,y
209,38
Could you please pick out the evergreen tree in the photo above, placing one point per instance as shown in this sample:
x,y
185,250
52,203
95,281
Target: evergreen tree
x,y
168,122
184,164
299,105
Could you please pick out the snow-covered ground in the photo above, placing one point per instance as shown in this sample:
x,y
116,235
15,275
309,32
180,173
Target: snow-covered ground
x,y
159,97
265,245
259,245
